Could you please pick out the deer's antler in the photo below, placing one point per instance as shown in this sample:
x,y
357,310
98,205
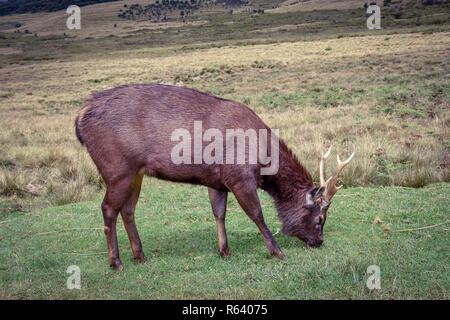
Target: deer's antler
x,y
331,189
323,182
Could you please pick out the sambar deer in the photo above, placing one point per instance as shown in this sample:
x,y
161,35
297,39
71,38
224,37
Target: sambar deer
x,y
128,132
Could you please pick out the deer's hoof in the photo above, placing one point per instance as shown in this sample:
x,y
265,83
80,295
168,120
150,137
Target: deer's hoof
x,y
225,253
140,259
280,255
116,265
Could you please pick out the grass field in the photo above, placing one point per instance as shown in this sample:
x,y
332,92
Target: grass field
x,y
319,76
179,238
386,97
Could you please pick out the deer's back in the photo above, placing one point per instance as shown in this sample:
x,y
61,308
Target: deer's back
x,y
131,126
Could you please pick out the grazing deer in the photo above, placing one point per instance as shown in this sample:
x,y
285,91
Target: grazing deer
x,y
128,132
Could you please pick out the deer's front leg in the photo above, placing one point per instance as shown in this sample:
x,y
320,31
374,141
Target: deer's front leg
x,y
249,201
127,212
218,201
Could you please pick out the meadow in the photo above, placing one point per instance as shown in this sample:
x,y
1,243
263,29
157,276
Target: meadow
x,y
179,238
383,94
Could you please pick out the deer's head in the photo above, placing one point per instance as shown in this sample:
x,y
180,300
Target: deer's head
x,y
313,214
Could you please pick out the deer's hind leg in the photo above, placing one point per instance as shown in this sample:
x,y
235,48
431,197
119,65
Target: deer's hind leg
x,y
116,193
127,213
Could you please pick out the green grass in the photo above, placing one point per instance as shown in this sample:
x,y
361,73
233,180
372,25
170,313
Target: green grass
x,y
179,238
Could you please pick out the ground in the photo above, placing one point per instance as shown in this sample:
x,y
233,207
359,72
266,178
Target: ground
x,y
179,238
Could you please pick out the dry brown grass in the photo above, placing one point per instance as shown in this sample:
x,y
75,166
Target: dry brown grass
x,y
42,160
295,5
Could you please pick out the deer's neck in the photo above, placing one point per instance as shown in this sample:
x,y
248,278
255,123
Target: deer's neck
x,y
291,180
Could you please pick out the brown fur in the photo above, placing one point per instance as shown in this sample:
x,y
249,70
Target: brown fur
x,y
127,131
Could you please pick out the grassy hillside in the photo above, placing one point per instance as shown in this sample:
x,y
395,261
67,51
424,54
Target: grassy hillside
x,y
214,22
33,38
386,97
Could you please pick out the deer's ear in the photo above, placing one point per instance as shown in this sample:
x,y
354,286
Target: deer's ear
x,y
312,197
